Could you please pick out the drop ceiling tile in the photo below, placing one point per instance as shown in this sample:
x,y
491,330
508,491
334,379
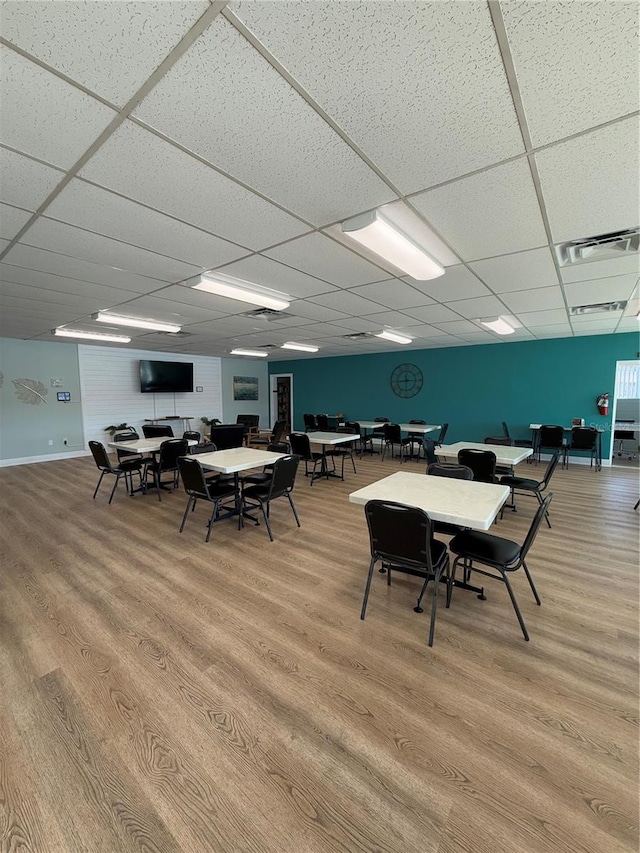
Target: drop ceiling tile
x,y
393,294
605,290
585,181
426,331
520,271
457,283
355,324
131,161
312,311
459,212
459,327
3,244
552,317
270,139
165,310
37,295
395,319
77,243
432,314
105,213
83,40
268,273
237,325
602,269
347,302
534,300
427,104
43,115
483,306
61,284
629,324
558,330
570,59
323,258
479,337
602,327
11,220
24,182
44,261
602,319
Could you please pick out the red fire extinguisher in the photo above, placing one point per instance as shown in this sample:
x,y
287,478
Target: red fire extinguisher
x,y
602,402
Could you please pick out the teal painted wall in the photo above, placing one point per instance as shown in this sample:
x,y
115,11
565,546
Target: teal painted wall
x,y
474,388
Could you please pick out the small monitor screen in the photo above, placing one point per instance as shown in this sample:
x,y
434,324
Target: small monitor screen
x,y
163,376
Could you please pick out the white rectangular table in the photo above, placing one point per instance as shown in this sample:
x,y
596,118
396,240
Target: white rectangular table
x,y
505,455
329,439
145,445
423,429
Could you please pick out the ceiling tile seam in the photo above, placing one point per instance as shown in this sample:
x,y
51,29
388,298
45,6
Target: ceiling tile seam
x,y
32,157
307,97
167,63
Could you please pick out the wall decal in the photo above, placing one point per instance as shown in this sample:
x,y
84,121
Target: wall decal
x,y
30,391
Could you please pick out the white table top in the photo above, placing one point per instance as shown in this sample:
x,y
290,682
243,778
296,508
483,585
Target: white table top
x,y
504,455
422,428
462,502
237,459
145,445
332,437
565,428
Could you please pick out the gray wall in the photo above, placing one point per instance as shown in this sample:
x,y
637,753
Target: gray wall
x,y
245,367
28,428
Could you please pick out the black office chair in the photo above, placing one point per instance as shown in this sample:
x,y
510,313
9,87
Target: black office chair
x,y
301,446
481,462
199,488
166,462
323,423
550,437
343,451
530,487
582,439
393,438
442,434
454,472
401,537
505,442
502,555
310,424
157,431
281,484
105,466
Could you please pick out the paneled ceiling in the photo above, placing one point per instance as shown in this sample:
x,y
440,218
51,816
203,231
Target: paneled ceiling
x,y
145,142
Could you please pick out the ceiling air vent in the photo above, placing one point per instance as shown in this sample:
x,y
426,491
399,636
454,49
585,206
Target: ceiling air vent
x,y
598,248
268,314
598,308
179,334
357,336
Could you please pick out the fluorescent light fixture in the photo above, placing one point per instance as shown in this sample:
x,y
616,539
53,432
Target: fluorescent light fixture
x,y
383,238
136,322
257,353
244,291
394,336
301,347
91,336
498,325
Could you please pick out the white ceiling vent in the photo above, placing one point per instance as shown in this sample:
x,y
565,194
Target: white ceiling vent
x,y
180,334
598,248
357,336
598,308
268,314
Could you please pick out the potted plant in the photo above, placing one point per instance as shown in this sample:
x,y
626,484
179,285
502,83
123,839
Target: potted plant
x,y
210,421
114,428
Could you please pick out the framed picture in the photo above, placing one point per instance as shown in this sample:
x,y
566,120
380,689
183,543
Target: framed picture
x,y
245,387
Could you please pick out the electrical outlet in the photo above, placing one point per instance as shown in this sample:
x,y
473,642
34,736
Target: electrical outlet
x,y
50,442
64,440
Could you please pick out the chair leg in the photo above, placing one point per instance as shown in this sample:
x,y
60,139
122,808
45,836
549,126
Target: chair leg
x,y
98,486
367,588
353,462
434,607
212,518
115,486
451,580
417,608
265,513
540,501
515,606
531,584
184,517
295,514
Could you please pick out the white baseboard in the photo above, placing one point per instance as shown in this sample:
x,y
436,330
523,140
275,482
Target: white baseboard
x,y
51,457
576,460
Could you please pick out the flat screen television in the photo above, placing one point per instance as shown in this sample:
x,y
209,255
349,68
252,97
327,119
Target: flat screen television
x,y
163,376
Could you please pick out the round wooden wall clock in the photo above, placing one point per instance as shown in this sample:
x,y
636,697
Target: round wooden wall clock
x,y
406,380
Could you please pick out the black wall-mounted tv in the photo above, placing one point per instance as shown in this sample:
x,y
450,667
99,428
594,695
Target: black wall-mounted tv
x,y
163,376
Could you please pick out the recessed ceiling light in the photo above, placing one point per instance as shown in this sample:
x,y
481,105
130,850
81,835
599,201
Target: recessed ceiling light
x,y
253,352
135,322
301,347
243,291
91,336
376,233
498,325
396,337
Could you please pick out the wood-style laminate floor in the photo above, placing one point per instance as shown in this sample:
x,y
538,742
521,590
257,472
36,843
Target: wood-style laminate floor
x,y
163,694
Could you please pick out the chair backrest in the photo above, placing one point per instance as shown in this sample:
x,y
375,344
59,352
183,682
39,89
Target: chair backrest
x,y
283,478
399,533
100,456
443,432
192,477
249,422
499,439
551,467
128,434
353,426
429,446
170,450
157,430
505,429
226,436
551,436
535,526
204,447
392,433
192,435
450,469
309,422
481,462
323,423
583,438
278,432
280,447
300,445
416,421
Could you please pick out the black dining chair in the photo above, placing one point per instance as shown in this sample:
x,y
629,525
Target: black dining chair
x,y
199,488
157,431
105,466
518,442
429,449
584,439
550,437
393,438
501,440
301,446
454,472
441,436
192,435
310,423
481,462
416,437
322,422
401,538
280,485
354,427
502,555
165,463
343,451
277,435
525,486
129,460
